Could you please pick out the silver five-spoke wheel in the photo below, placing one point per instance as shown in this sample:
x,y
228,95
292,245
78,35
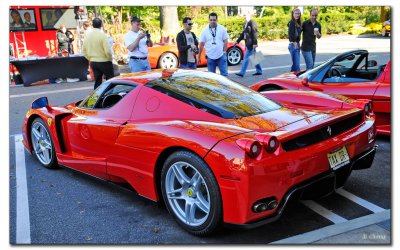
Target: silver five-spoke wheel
x,y
42,144
187,194
234,56
191,193
167,61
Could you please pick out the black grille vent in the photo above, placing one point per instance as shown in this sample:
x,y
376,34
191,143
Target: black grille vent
x,y
323,133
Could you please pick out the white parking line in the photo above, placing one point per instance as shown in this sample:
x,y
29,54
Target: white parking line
x,y
323,211
23,227
50,92
368,205
336,229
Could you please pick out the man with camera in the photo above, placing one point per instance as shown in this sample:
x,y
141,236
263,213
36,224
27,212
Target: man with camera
x,y
187,45
137,41
215,38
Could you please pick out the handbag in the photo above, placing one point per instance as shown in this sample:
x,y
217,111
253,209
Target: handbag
x,y
256,58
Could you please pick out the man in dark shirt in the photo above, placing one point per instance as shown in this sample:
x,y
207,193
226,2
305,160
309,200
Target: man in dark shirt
x,y
311,30
187,45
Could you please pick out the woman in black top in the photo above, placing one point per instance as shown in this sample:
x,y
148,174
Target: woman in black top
x,y
294,30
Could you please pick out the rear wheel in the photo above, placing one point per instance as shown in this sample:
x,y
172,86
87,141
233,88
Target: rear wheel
x,y
42,144
191,193
234,56
167,61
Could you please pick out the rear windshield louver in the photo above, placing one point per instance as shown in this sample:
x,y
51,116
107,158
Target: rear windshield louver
x,y
323,133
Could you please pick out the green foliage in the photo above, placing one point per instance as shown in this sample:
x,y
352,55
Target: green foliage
x,y
372,28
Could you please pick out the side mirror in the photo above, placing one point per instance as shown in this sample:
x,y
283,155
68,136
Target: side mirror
x,y
304,81
40,103
372,63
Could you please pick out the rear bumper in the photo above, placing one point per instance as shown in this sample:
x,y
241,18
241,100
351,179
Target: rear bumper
x,y
323,184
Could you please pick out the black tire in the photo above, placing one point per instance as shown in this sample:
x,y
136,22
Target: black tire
x,y
268,88
234,56
42,144
168,60
182,197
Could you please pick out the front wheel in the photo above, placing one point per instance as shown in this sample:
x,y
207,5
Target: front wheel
x,y
191,193
234,56
167,61
42,144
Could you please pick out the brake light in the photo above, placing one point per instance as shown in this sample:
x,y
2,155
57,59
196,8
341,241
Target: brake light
x,y
251,147
368,109
271,143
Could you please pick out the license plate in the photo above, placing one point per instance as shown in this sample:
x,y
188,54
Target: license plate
x,y
338,158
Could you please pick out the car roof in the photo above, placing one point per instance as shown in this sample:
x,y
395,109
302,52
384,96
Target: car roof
x,y
147,76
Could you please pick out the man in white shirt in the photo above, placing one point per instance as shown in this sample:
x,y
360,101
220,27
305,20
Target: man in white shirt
x,y
215,38
137,42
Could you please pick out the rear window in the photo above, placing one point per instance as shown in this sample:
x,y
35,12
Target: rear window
x,y
214,94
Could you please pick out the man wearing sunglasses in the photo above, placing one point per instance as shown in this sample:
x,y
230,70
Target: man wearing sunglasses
x,y
187,45
215,39
136,41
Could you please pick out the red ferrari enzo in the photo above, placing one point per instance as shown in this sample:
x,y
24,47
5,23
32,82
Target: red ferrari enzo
x,y
213,150
350,74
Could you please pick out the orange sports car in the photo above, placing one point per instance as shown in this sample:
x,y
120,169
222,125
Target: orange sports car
x,y
165,56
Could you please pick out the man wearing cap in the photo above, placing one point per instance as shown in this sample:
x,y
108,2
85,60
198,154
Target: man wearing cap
x,y
136,41
97,50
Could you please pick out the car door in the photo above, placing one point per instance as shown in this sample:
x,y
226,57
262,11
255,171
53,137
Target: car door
x,y
92,130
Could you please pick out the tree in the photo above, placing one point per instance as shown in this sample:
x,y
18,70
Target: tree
x,y
385,13
169,22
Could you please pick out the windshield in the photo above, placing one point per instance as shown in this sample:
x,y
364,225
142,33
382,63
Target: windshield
x,y
315,70
210,91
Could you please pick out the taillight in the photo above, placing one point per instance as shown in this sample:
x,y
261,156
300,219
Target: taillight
x,y
368,109
271,143
251,147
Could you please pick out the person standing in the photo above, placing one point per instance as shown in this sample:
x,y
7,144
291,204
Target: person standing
x,y
311,30
136,41
250,35
187,45
97,50
63,38
215,39
294,34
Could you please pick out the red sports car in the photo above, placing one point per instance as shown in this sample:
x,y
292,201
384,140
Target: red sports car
x,y
213,150
166,56
350,74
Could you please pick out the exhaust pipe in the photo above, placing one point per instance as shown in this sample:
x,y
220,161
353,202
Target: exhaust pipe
x,y
264,205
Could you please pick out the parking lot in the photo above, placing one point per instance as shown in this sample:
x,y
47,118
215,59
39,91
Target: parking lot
x,y
65,207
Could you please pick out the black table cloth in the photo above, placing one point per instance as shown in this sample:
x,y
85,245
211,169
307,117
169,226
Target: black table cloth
x,y
41,69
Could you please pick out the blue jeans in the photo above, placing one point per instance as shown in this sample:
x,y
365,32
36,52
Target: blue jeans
x,y
137,65
221,62
245,62
295,54
189,65
309,57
